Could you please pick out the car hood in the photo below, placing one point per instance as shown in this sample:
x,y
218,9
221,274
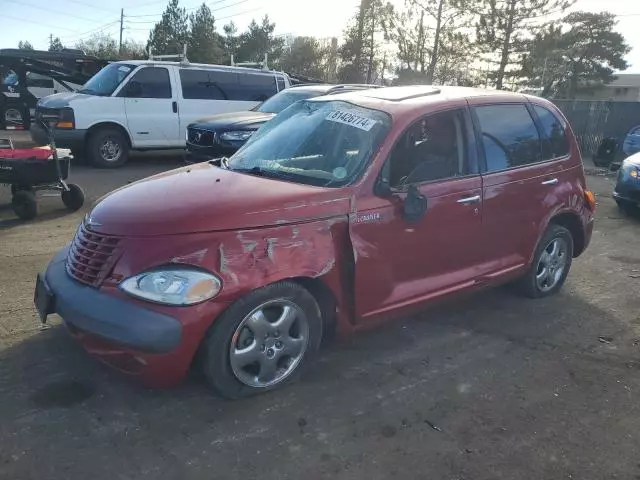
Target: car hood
x,y
633,160
60,100
243,120
205,198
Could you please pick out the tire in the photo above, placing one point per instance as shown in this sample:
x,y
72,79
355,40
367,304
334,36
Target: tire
x,y
556,267
25,205
73,199
12,111
108,148
233,375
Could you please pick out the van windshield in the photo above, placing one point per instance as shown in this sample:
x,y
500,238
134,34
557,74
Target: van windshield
x,y
105,82
327,143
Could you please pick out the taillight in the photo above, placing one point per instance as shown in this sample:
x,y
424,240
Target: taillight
x,y
590,198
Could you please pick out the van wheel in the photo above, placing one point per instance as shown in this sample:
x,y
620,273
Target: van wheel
x,y
108,148
262,341
550,265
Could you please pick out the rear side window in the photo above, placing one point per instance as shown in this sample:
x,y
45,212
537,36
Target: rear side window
x,y
219,85
151,82
553,127
509,136
281,84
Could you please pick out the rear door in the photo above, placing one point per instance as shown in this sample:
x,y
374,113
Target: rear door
x,y
151,108
521,183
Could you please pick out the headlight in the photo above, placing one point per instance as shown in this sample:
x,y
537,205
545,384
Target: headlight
x,y
634,172
173,285
240,135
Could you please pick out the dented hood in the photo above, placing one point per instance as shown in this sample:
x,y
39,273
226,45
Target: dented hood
x,y
205,198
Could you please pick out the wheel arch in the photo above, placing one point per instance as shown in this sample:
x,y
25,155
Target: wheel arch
x,y
571,221
327,302
110,124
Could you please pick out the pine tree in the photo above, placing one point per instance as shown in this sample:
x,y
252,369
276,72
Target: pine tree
x,y
171,33
204,41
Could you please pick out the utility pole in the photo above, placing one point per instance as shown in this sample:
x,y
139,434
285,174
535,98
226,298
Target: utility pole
x,y
121,29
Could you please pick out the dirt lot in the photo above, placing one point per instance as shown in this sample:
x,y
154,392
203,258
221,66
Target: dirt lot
x,y
493,387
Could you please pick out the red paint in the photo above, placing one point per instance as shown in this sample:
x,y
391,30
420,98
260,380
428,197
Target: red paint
x,y
253,231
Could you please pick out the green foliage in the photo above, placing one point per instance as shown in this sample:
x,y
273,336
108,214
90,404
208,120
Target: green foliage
x,y
55,45
306,56
171,33
503,26
258,40
580,53
205,44
100,45
24,45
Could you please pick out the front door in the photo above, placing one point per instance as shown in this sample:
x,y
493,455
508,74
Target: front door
x,y
152,110
400,261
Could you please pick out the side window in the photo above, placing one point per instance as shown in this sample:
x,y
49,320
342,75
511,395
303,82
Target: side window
x,y
40,81
207,84
431,149
255,87
150,82
555,132
280,82
509,136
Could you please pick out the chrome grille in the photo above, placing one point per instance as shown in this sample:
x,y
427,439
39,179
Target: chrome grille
x,y
92,256
202,138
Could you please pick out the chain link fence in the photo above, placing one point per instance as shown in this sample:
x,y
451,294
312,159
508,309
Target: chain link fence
x,y
594,120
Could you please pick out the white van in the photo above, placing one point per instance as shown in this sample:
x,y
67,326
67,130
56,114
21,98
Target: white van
x,y
147,104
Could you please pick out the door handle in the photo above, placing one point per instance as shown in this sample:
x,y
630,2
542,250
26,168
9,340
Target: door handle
x,y
174,105
468,200
552,181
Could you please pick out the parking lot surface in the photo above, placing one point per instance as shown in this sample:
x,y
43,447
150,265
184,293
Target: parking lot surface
x,y
490,387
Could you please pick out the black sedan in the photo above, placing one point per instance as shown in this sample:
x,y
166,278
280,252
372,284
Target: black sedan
x,y
627,190
223,134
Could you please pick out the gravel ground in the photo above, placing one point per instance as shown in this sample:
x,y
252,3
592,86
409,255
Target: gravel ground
x,y
490,387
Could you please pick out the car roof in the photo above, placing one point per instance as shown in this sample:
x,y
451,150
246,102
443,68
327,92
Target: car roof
x,y
407,99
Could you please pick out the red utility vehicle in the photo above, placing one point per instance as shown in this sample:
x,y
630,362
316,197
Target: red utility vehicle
x,y
340,212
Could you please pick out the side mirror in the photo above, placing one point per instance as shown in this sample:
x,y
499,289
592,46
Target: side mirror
x,y
134,89
415,205
383,189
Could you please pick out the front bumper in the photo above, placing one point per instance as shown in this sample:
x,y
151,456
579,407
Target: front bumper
x,y
137,341
73,139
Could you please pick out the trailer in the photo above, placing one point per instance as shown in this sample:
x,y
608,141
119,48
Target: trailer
x,y
28,75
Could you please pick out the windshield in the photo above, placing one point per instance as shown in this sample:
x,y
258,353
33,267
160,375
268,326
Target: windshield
x,y
282,100
105,82
317,143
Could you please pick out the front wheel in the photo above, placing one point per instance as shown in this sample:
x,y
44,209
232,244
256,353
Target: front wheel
x,y
108,148
550,265
73,198
262,341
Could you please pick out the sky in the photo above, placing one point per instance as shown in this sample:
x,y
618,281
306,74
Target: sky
x,y
74,20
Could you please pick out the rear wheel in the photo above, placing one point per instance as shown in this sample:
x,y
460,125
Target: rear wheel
x,y
25,205
262,341
108,148
550,265
73,198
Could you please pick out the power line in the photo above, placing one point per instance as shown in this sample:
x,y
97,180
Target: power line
x,y
189,9
26,20
58,12
91,5
84,35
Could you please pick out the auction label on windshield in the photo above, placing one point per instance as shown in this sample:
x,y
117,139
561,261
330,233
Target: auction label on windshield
x,y
350,118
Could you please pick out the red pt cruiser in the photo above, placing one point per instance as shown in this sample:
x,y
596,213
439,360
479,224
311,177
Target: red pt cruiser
x,y
340,212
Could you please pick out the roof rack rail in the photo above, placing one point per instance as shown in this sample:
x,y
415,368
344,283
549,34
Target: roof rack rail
x,y
181,57
261,65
